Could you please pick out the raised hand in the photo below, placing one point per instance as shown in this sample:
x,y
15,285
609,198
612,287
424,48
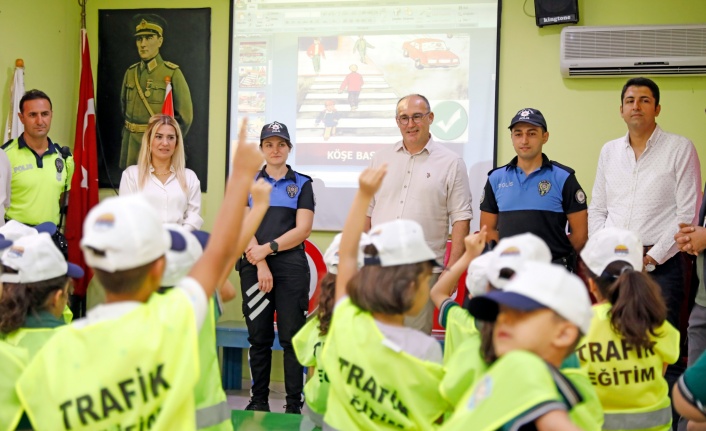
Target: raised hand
x,y
248,156
475,242
260,192
371,179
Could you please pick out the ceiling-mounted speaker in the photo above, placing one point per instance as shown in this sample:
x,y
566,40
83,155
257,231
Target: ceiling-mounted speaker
x,y
551,12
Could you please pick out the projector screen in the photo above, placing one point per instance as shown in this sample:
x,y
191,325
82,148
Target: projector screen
x,y
302,64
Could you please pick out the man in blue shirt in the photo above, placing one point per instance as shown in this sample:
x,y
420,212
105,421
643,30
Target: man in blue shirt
x,y
536,195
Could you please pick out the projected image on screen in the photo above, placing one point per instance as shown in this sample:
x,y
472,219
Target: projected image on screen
x,y
348,88
333,71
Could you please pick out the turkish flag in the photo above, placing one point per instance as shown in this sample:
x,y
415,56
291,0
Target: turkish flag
x,y
84,185
168,106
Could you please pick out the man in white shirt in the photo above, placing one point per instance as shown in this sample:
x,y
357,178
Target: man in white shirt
x,y
427,183
648,182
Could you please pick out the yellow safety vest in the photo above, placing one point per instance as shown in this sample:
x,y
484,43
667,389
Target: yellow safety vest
x,y
138,370
374,384
462,369
588,414
513,385
212,411
32,339
629,380
460,326
13,360
67,315
308,345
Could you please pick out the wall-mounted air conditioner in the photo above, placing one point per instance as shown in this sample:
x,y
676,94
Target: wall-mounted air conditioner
x,y
591,52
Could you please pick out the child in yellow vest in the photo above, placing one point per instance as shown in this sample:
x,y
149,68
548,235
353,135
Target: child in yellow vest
x,y
212,411
309,342
474,355
539,317
132,363
468,351
382,375
36,290
630,343
13,230
36,279
13,360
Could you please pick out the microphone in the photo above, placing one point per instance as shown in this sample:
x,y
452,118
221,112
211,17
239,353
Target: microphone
x,y
65,152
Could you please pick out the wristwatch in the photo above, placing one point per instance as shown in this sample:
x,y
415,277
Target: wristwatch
x,y
274,246
650,267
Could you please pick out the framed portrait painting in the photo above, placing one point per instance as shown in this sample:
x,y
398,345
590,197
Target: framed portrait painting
x,y
140,53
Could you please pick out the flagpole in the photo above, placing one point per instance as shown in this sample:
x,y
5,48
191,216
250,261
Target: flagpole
x,y
82,3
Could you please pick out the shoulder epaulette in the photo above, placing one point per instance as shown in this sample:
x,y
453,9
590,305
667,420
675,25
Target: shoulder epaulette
x,y
564,167
133,66
499,167
58,150
305,176
171,65
7,144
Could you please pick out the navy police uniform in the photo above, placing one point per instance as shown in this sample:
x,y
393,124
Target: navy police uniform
x,y
290,293
536,203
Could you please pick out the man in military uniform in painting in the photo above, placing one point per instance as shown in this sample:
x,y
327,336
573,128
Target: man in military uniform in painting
x,y
144,88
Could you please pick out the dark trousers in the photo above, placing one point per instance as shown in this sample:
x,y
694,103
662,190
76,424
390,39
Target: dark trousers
x,y
670,277
290,299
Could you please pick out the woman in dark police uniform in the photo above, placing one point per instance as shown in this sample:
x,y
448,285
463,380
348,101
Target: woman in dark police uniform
x,y
274,272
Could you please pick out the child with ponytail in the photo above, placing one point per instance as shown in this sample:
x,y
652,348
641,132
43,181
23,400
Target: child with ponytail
x,y
629,343
309,341
382,375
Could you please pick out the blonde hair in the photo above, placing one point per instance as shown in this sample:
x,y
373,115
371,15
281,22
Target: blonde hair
x,y
144,159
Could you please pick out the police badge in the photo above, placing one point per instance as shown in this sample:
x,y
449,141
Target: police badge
x,y
581,197
59,164
544,187
292,190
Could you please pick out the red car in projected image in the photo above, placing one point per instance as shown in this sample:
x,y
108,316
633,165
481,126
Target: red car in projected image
x,y
429,53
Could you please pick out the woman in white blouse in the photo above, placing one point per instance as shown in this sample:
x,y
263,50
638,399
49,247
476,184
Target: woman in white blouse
x,y
161,175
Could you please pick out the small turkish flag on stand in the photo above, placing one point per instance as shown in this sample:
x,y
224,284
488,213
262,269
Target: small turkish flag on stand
x,y
168,106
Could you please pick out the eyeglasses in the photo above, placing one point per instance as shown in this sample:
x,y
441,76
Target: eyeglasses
x,y
417,118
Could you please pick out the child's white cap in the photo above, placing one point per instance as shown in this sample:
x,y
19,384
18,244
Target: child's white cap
x,y
513,252
399,242
125,232
331,254
13,229
36,258
477,275
609,245
180,262
536,286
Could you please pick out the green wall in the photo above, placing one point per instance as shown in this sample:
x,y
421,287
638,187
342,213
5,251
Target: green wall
x,y
582,114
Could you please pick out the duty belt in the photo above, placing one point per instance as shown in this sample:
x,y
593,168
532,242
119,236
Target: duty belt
x,y
135,128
